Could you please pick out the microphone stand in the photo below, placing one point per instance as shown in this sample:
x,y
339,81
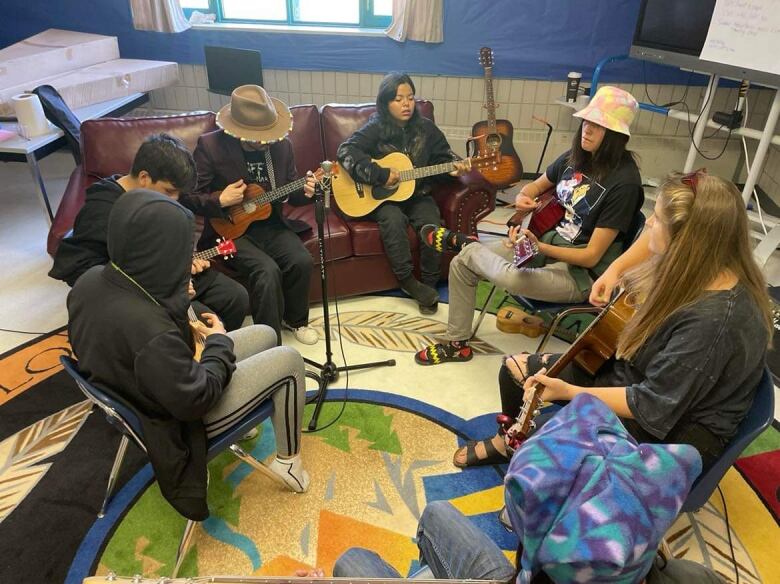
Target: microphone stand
x,y
328,371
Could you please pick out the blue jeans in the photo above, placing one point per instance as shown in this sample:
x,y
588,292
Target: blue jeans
x,y
450,545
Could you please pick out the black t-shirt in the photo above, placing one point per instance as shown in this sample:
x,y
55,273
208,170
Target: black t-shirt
x,y
703,365
257,170
611,203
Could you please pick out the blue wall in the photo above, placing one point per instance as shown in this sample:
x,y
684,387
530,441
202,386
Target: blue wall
x,y
540,39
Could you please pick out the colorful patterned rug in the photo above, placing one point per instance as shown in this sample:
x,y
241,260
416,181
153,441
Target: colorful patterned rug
x,y
373,472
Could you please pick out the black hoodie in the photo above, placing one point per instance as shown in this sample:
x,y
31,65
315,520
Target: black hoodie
x,y
129,330
86,247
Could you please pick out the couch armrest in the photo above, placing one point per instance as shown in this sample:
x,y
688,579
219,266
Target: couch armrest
x,y
464,201
72,201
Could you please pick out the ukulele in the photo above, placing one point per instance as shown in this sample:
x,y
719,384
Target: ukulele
x,y
225,248
357,199
590,350
256,206
495,136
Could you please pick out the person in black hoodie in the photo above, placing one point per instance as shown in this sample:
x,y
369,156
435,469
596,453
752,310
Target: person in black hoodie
x,y
398,127
162,164
129,329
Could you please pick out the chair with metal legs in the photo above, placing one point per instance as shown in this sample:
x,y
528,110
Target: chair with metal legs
x,y
123,417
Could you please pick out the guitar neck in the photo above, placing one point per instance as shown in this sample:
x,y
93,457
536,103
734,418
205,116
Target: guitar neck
x,y
206,254
490,102
279,193
527,412
425,171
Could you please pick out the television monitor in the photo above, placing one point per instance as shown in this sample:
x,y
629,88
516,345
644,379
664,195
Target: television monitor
x,y
228,68
673,32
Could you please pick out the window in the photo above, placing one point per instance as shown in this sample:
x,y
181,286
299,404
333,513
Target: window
x,y
344,13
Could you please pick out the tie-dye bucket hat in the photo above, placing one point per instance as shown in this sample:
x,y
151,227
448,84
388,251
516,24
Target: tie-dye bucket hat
x,y
612,108
588,503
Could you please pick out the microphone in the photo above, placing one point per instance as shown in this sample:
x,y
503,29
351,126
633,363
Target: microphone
x,y
326,166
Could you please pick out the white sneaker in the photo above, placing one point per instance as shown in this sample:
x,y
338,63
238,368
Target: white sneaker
x,y
291,472
305,334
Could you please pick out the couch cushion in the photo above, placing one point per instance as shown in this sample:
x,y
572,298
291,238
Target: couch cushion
x,y
306,138
338,240
340,121
108,145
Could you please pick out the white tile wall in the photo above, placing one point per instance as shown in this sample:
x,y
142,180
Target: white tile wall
x,y
661,142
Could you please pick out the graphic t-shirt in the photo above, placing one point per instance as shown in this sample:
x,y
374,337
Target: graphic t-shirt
x,y
610,203
257,170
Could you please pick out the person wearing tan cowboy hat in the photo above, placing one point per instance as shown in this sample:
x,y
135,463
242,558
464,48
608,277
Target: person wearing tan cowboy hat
x,y
598,185
251,147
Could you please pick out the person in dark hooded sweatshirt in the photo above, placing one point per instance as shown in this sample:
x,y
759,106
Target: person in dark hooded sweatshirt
x,y
129,330
162,164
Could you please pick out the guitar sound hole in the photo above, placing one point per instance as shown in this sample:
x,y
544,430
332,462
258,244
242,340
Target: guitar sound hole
x,y
249,206
493,141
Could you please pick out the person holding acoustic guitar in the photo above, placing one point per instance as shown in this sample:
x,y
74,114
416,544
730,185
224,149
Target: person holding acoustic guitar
x,y
164,165
688,362
598,186
246,169
398,127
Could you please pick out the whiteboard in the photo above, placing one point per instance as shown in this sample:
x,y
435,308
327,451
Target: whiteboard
x,y
745,33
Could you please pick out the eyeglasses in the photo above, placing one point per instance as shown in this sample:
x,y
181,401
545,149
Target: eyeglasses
x,y
692,179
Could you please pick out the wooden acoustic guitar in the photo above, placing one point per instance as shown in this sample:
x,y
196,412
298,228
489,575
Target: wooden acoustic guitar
x,y
590,350
225,248
111,577
256,206
495,136
357,199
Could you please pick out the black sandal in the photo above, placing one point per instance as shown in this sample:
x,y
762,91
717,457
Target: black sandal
x,y
493,455
442,239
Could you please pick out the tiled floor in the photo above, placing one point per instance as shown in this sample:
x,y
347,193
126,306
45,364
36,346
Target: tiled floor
x,y
32,302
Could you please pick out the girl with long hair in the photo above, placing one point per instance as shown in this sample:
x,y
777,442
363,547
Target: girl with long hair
x,y
397,126
597,182
689,361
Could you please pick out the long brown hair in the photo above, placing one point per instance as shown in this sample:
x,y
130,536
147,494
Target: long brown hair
x,y
708,229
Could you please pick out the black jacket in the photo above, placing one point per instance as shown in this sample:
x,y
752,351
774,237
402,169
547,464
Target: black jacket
x,y
86,247
420,140
132,338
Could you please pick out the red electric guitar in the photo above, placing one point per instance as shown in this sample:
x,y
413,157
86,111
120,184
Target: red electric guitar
x,y
545,217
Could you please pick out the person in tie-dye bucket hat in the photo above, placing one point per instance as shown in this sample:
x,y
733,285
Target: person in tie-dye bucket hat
x,y
611,108
587,502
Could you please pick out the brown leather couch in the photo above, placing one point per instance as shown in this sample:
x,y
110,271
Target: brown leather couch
x,y
356,260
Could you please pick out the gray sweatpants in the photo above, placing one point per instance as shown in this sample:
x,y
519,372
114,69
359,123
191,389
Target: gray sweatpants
x,y
493,262
263,371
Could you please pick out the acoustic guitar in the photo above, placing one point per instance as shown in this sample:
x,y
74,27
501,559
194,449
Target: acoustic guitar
x,y
546,216
225,248
256,206
113,578
357,199
590,350
495,136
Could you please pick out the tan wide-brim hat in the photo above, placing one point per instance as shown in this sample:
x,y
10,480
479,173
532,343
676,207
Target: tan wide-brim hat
x,y
255,116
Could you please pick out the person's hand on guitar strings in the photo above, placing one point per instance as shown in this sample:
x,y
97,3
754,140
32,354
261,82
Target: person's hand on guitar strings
x,y
461,167
525,203
394,177
553,388
212,326
198,265
315,573
312,180
601,291
233,194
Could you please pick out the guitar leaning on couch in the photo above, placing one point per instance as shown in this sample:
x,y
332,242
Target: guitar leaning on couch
x,y
357,199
